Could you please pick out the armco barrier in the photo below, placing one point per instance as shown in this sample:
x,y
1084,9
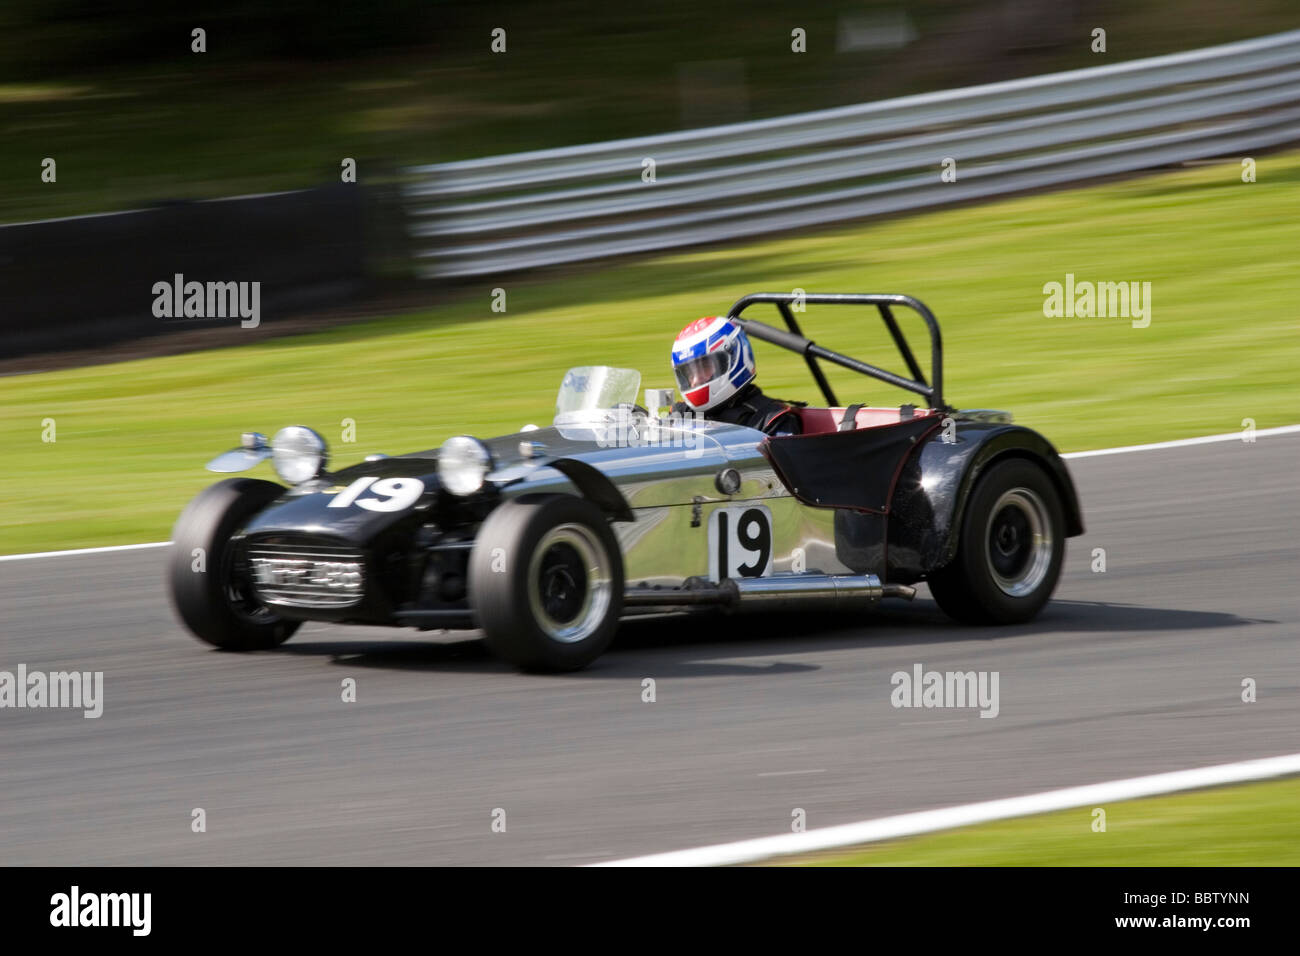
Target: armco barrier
x,y
502,213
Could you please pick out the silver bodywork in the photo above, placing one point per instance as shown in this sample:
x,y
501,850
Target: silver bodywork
x,y
669,477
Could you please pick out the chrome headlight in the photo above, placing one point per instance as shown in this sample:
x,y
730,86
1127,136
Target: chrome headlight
x,y
463,464
298,454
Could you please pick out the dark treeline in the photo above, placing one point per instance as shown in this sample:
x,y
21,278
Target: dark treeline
x,y
61,36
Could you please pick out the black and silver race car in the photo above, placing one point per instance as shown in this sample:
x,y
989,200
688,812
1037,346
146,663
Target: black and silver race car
x,y
545,538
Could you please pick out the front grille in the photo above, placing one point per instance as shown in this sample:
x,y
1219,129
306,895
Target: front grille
x,y
304,575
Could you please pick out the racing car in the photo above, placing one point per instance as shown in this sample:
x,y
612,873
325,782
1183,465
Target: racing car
x,y
544,539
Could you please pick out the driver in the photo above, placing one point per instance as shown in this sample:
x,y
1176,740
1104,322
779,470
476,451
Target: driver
x,y
714,365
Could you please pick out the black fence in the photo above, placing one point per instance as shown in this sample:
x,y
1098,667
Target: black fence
x,y
91,280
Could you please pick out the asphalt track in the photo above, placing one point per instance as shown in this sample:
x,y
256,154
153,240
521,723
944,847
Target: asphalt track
x,y
1133,671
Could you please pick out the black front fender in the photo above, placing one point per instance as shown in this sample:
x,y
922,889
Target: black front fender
x,y
595,487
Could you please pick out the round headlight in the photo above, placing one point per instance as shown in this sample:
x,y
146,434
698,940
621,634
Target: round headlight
x,y
463,464
298,454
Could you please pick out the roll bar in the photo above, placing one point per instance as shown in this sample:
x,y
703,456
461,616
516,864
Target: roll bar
x,y
795,341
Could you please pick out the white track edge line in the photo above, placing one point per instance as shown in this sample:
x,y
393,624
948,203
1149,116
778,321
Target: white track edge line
x,y
104,550
929,821
1178,443
1184,442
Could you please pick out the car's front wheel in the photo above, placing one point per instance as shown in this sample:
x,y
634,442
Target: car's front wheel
x,y
1010,549
546,581
210,586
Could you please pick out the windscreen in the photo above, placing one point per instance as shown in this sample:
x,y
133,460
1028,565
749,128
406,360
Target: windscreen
x,y
589,389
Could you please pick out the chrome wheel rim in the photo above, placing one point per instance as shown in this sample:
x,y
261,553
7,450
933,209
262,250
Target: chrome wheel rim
x,y
1018,542
569,583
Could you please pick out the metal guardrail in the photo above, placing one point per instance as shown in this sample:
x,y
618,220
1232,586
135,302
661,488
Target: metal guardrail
x,y
554,206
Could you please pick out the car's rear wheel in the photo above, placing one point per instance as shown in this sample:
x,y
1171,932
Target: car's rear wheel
x,y
546,581
1010,549
210,585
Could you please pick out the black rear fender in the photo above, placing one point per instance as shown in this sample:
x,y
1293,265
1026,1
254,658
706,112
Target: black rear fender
x,y
935,484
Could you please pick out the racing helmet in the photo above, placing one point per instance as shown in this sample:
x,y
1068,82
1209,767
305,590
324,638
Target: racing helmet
x,y
713,360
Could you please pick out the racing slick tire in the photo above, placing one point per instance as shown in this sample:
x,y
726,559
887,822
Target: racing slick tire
x,y
546,582
1010,548
213,596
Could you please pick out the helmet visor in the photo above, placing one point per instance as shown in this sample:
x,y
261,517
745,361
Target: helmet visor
x,y
701,371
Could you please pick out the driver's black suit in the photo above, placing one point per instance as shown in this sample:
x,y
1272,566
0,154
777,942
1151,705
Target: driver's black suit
x,y
750,407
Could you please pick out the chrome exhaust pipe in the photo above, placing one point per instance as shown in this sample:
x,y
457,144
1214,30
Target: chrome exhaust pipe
x,y
800,590
776,592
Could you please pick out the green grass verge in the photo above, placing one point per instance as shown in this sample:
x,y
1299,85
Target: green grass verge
x,y
1221,347
1252,825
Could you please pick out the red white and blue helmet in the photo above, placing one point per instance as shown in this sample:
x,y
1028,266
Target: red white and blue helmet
x,y
713,360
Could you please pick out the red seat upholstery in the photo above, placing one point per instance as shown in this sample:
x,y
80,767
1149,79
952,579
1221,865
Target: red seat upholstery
x,y
818,420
